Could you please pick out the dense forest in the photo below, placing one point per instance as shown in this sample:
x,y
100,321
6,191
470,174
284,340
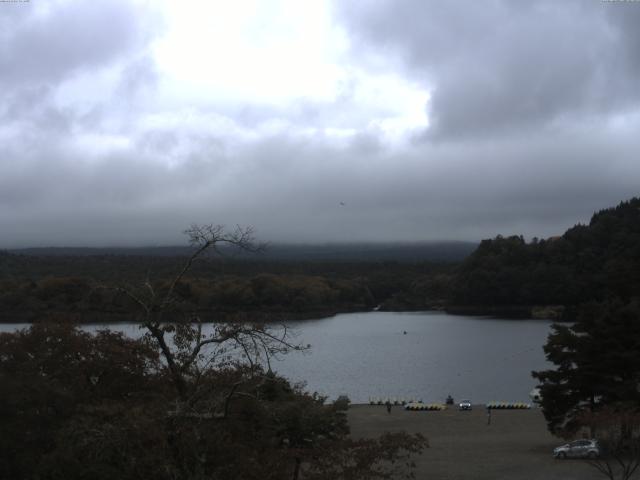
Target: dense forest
x,y
588,263
41,284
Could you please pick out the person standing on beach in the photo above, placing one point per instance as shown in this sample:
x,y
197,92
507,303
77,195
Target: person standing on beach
x,y
388,404
488,415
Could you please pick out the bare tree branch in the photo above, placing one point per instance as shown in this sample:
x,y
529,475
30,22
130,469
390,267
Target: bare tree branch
x,y
183,344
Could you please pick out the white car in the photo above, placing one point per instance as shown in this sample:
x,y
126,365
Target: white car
x,y
578,449
464,405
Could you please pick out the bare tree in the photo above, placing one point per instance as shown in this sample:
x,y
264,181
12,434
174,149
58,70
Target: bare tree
x,y
618,433
232,419
218,372
187,349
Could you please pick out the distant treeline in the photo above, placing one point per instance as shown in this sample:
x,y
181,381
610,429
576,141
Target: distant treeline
x,y
588,263
35,287
355,252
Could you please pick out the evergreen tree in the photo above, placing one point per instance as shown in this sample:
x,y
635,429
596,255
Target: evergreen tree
x,y
597,365
587,263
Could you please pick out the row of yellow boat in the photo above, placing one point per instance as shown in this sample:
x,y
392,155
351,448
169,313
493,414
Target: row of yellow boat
x,y
412,404
508,405
418,406
391,400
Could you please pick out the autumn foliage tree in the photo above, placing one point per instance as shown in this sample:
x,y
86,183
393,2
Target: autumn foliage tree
x,y
51,375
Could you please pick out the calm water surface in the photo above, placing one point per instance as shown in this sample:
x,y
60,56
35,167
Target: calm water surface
x,y
368,354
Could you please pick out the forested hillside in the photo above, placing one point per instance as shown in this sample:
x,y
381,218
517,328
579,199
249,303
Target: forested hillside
x,y
86,286
589,262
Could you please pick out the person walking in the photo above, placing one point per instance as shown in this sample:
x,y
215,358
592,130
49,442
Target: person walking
x,y
388,404
488,415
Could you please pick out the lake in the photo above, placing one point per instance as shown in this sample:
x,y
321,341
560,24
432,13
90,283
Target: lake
x,y
368,354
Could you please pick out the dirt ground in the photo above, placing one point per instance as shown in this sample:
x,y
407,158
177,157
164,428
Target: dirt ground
x,y
516,445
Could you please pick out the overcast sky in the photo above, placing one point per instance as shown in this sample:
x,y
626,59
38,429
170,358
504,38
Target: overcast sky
x,y
122,122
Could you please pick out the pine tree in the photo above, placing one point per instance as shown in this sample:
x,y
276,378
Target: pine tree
x,y
597,364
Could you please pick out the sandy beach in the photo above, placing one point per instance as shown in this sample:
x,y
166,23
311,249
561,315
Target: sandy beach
x,y
516,445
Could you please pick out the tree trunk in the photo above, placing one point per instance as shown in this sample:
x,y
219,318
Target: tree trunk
x,y
296,470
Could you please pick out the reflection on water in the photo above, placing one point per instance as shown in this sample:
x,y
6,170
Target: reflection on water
x,y
369,354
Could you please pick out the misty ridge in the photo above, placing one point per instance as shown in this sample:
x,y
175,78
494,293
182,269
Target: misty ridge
x,y
366,252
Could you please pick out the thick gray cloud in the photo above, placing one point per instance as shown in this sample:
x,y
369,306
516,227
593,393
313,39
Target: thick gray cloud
x,y
292,189
533,116
501,66
43,46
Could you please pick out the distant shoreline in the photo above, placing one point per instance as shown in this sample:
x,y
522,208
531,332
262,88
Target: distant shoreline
x,y
97,318
516,312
